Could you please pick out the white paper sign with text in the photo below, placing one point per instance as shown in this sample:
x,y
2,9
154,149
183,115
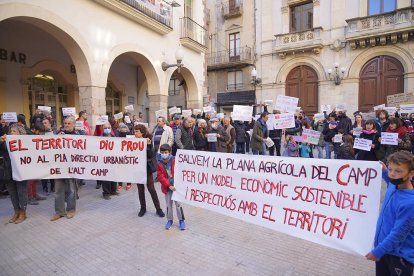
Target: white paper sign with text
x,y
362,144
284,120
286,103
389,138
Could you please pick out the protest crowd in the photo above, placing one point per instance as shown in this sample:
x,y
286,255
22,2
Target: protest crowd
x,y
331,134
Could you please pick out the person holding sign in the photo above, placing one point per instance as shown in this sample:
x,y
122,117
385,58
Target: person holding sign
x,y
394,238
165,173
220,143
404,140
200,136
329,132
141,131
259,135
240,129
369,132
17,189
108,187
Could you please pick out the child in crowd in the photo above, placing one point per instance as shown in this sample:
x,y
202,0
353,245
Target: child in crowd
x,y
165,173
346,149
305,150
394,238
292,148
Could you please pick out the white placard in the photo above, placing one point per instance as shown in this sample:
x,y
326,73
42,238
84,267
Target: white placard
x,y
161,113
319,117
269,142
118,116
389,138
102,120
368,116
309,200
242,113
68,111
211,137
78,156
337,138
286,103
127,119
45,108
79,125
356,131
173,110
197,112
311,136
129,108
362,144
207,109
326,108
379,107
297,138
284,120
187,113
406,108
9,117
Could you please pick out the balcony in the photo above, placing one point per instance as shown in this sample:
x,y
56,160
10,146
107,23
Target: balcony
x,y
193,35
292,43
387,28
232,8
229,58
156,17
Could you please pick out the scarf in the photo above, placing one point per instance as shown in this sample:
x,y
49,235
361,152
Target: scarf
x,y
369,131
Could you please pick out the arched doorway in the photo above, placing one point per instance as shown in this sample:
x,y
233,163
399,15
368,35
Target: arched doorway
x,y
379,77
302,83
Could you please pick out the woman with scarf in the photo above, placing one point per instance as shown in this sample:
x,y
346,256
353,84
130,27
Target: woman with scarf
x,y
404,140
369,132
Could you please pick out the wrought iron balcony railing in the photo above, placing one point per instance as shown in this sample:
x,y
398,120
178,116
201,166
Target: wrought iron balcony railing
x,y
230,57
232,8
193,31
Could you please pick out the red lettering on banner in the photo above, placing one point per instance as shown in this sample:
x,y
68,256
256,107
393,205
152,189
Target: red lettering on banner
x,y
189,176
221,180
19,147
267,212
338,179
107,145
59,143
357,175
266,187
129,145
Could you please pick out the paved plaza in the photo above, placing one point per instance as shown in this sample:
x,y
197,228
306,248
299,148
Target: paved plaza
x,y
107,238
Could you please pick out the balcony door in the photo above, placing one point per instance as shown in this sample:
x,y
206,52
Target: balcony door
x,y
380,77
302,83
234,6
234,47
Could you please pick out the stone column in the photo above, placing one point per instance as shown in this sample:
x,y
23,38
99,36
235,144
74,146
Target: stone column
x,y
92,99
156,102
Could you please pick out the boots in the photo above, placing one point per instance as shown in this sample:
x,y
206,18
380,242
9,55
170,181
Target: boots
x,y
15,216
22,216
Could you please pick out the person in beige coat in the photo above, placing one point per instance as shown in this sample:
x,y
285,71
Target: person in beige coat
x,y
162,134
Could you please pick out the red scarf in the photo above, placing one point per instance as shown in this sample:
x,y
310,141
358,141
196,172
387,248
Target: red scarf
x,y
401,131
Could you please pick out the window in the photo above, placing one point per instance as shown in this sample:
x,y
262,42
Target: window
x,y
234,46
234,80
381,6
113,100
174,87
188,8
301,17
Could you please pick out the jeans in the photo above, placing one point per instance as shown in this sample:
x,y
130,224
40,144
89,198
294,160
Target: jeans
x,y
388,265
241,147
18,194
275,146
320,151
65,190
328,150
151,190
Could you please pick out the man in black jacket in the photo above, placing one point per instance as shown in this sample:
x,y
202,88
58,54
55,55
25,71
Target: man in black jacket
x,y
345,123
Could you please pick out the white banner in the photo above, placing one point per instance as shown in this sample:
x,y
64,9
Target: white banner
x,y
286,103
406,108
334,204
389,138
401,98
284,120
78,156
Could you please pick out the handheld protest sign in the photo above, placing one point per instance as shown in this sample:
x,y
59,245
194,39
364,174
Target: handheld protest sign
x,y
68,111
9,117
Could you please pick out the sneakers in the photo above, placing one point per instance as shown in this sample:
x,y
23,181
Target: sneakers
x,y
56,217
182,225
128,187
107,197
70,214
33,201
168,225
119,188
160,213
142,212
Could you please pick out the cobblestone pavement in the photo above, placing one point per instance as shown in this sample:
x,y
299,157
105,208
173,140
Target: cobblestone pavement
x,y
107,238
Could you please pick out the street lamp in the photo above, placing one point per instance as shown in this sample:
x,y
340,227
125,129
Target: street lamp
x,y
255,80
179,55
337,74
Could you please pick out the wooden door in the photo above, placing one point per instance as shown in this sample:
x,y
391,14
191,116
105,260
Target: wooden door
x,y
380,77
302,83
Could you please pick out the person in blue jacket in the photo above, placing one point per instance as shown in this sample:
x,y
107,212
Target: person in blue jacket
x,y
394,237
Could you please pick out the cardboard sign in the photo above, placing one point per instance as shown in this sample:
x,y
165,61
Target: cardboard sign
x,y
406,108
127,119
242,113
68,111
389,138
284,120
102,120
160,113
173,110
212,137
79,125
286,103
326,108
401,98
78,156
187,113
268,102
356,131
333,203
118,116
129,108
9,117
44,108
337,138
310,136
362,144
319,117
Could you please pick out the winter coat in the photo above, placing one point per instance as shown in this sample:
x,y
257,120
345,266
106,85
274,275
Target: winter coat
x,y
369,155
291,150
163,176
240,129
167,137
200,139
221,144
328,133
258,136
345,151
319,127
232,135
345,124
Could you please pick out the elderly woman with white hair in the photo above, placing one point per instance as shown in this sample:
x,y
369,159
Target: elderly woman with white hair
x,y
17,189
200,136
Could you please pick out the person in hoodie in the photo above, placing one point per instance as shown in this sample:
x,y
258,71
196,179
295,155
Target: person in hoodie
x,y
344,122
393,250
404,140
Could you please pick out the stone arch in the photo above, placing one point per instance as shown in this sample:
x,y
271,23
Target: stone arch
x,y
142,58
191,83
400,54
49,67
295,62
61,30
